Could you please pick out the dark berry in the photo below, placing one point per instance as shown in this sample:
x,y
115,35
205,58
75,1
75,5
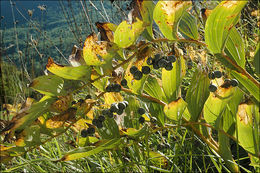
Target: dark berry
x,y
81,101
109,88
101,118
157,57
99,124
138,75
234,82
218,74
171,58
141,120
169,66
146,70
84,133
95,122
212,88
124,82
116,87
226,84
119,111
105,111
88,97
162,63
121,105
149,61
91,130
114,107
133,69
155,65
211,75
126,103
110,114
141,111
73,102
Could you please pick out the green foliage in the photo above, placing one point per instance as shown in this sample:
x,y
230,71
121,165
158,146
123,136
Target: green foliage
x,y
160,98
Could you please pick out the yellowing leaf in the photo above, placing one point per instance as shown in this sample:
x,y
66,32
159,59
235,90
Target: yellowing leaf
x,y
175,109
62,104
126,34
167,15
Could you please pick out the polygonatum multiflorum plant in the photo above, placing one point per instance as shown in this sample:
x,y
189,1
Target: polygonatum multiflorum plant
x,y
128,82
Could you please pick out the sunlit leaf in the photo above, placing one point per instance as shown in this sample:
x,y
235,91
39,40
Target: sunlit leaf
x,y
197,93
134,133
126,34
49,85
29,137
188,26
175,109
62,104
167,15
235,48
112,97
248,119
248,84
216,103
89,151
171,80
222,19
67,72
82,142
153,88
157,159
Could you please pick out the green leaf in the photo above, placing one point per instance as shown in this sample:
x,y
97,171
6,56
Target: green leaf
x,y
156,110
82,142
197,93
67,72
146,9
126,34
235,47
220,22
134,133
248,84
153,88
248,119
167,15
188,26
257,60
51,85
89,151
171,80
216,104
230,112
175,109
36,110
110,129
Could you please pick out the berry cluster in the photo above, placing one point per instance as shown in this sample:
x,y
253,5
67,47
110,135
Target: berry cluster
x,y
162,62
118,107
81,100
87,132
137,74
227,82
113,88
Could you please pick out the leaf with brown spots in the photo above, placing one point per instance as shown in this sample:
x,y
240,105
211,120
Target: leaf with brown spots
x,y
175,109
106,30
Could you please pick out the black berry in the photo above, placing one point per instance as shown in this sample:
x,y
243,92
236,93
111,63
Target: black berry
x,y
211,75
124,82
119,111
138,75
101,118
114,107
88,97
121,105
155,65
109,88
126,103
116,87
212,88
95,122
234,82
141,120
149,61
141,111
157,57
146,70
218,74
84,133
133,69
169,66
99,124
81,101
73,102
171,58
162,63
91,130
